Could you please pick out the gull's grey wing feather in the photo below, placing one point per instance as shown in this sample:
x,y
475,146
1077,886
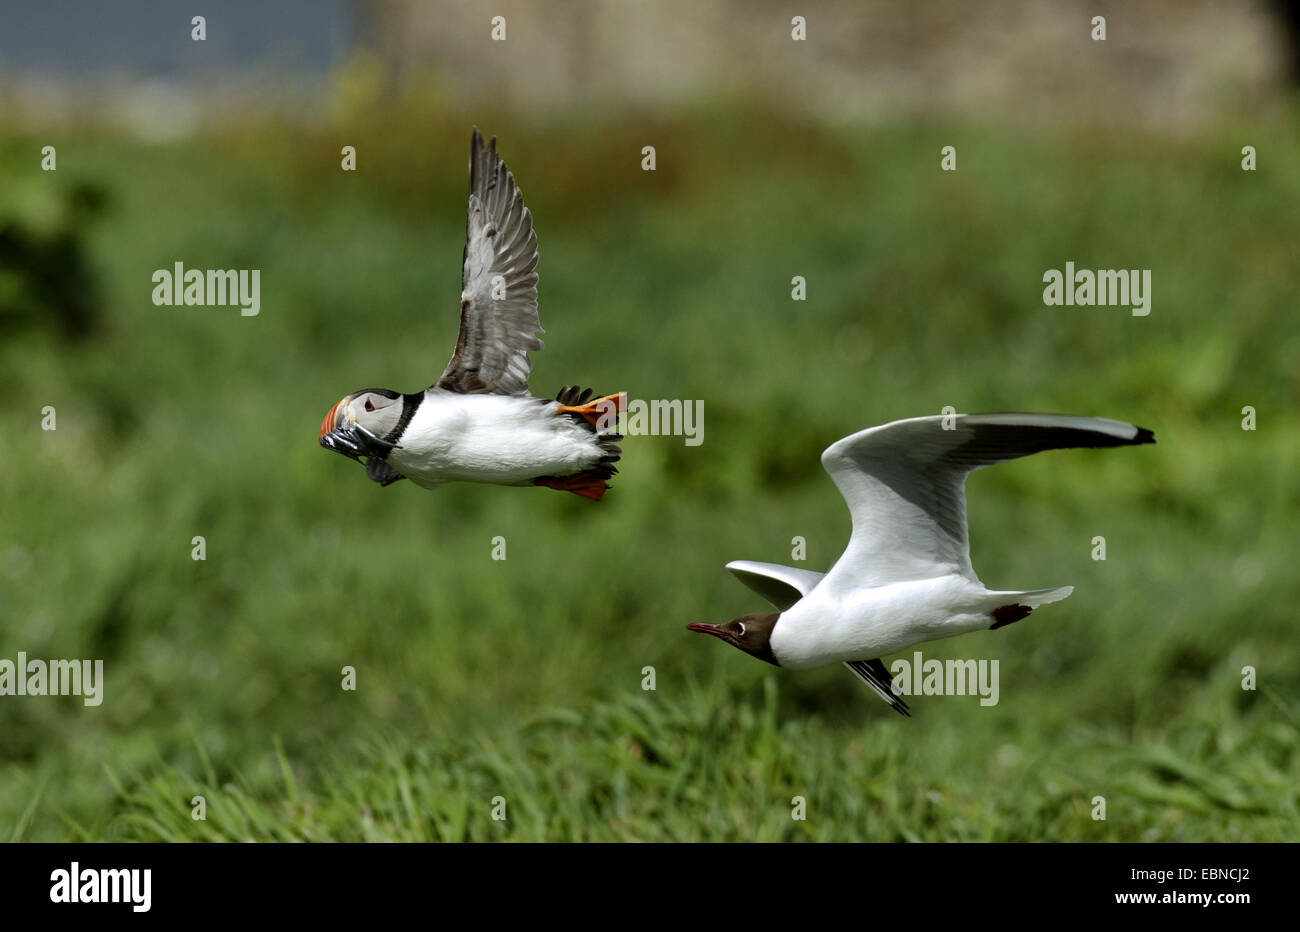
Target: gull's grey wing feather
x,y
904,483
781,585
876,675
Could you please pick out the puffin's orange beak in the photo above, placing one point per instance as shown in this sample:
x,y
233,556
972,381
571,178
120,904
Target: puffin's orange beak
x,y
328,424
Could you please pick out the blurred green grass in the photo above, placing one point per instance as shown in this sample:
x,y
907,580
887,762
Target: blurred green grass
x,y
522,678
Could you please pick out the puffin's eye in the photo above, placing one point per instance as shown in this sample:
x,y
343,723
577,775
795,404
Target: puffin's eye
x,y
369,406
742,628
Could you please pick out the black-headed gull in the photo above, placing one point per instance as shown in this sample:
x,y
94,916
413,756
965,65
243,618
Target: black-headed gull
x,y
906,575
478,423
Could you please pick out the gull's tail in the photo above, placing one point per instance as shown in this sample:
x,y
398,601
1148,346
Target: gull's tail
x,y
1036,597
1008,607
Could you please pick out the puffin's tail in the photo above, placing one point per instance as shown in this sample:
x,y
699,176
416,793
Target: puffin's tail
x,y
595,415
598,414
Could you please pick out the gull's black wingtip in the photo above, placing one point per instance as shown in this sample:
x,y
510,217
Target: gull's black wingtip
x,y
1144,436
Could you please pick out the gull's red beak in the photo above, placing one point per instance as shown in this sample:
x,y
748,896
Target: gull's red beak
x,y
714,630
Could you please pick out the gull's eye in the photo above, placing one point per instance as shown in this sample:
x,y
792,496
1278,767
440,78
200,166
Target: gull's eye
x,y
369,406
742,628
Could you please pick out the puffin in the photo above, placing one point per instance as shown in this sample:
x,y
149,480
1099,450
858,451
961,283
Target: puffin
x,y
906,575
478,422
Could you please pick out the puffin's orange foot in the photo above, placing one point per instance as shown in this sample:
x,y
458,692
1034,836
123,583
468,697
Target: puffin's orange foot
x,y
599,413
587,484
1008,614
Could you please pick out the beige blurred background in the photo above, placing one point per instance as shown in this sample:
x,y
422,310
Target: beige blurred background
x,y
1166,64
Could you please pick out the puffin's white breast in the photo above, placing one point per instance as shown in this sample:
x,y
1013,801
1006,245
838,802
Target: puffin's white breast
x,y
502,439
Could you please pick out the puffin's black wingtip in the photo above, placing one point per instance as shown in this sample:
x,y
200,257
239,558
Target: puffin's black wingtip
x,y
1144,436
476,145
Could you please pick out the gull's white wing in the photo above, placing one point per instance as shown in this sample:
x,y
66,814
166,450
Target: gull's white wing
x,y
498,299
781,585
904,483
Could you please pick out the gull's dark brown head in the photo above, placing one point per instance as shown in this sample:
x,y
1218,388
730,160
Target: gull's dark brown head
x,y
750,633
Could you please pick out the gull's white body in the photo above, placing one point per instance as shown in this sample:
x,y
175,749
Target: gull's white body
x,y
839,620
499,439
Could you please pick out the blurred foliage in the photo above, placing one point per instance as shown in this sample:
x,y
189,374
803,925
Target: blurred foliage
x,y
523,678
46,278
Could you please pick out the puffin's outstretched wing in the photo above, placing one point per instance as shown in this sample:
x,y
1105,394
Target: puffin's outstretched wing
x,y
904,483
498,300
